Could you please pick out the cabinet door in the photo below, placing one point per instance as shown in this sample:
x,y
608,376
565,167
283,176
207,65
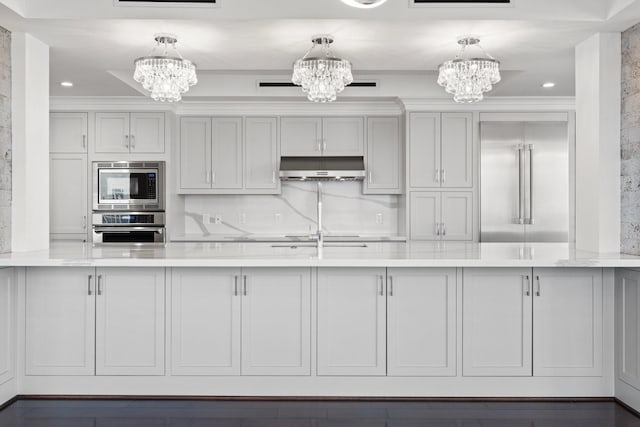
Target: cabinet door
x,y
130,321
147,133
112,133
457,216
384,163
423,155
300,136
195,152
205,321
351,321
421,322
497,307
276,321
68,194
425,215
68,132
8,308
60,321
628,326
261,154
567,322
343,136
457,150
226,153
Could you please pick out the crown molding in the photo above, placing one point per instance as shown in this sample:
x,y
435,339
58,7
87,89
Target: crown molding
x,y
505,103
106,103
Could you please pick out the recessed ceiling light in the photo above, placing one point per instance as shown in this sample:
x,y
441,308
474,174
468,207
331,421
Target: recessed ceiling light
x,y
66,84
548,85
363,4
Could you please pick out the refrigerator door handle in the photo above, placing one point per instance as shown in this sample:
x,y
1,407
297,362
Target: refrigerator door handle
x,y
520,219
530,220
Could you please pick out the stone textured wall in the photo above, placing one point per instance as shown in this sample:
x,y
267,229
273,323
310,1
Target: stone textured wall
x,y
5,140
630,142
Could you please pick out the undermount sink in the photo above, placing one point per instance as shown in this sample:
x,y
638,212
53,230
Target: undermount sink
x,y
325,245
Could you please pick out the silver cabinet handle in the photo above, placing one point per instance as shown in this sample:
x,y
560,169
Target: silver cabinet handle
x,y
528,288
390,286
437,177
89,290
133,141
381,285
437,228
126,141
84,141
539,291
273,177
235,285
370,177
530,220
213,177
207,177
244,282
319,144
324,145
520,187
100,284
444,229
444,176
84,222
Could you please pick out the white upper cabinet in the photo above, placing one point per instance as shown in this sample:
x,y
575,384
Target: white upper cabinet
x,y
226,153
384,156
440,153
352,321
68,132
567,322
205,321
436,215
229,155
68,196
457,216
130,338
130,133
421,322
425,215
276,321
60,321
497,322
327,136
261,154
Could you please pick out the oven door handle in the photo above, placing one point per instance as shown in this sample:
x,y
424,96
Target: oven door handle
x,y
116,229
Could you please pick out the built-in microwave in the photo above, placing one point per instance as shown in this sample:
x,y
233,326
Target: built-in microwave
x,y
128,186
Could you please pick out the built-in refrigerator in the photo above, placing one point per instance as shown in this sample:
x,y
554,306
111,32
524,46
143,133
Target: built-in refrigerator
x,y
524,178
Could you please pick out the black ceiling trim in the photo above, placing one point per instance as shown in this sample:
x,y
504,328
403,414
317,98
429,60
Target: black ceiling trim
x,y
289,84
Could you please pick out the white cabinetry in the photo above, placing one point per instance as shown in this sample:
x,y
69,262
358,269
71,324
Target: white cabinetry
x,y
81,321
129,133
230,155
68,132
421,322
8,307
567,322
497,322
440,153
441,215
267,310
130,321
384,156
541,322
327,136
351,321
628,326
68,196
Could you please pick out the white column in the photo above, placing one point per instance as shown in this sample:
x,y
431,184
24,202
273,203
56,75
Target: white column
x,y
30,143
598,76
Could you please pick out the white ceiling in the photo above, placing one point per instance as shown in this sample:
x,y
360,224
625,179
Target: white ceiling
x,y
93,43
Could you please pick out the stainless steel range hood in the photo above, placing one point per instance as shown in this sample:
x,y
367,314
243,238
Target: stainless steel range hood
x,y
322,168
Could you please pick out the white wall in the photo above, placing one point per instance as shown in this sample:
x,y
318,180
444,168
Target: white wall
x,y
30,121
598,75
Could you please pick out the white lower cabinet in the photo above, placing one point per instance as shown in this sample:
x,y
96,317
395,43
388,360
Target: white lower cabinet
x,y
68,196
85,321
8,309
130,321
567,322
497,322
543,322
352,321
421,322
628,326
216,312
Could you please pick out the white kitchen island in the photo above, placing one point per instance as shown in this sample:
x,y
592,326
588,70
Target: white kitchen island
x,y
389,319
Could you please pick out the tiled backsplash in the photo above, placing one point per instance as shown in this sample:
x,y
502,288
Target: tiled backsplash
x,y
345,211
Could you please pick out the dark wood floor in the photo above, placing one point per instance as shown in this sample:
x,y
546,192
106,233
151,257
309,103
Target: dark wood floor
x,y
185,413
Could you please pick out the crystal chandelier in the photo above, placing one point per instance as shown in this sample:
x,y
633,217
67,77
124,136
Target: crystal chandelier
x,y
167,75
364,4
469,78
321,75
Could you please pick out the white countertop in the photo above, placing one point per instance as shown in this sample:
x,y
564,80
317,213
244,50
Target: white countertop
x,y
389,254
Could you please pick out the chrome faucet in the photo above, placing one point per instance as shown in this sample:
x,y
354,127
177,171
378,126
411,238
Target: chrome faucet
x,y
320,234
